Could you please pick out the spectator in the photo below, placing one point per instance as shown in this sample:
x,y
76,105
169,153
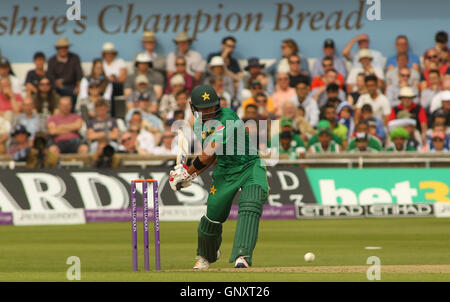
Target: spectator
x,y
102,127
366,67
30,119
345,117
315,138
321,80
5,128
217,68
442,99
441,40
154,79
289,48
282,92
146,120
86,106
304,99
441,116
20,147
168,102
360,86
145,140
439,125
226,53
399,138
395,75
255,72
195,65
373,125
65,69
402,46
46,99
379,102
64,127
325,142
217,83
417,112
256,87
141,87
405,120
329,114
295,71
330,91
363,43
298,146
432,61
439,143
363,127
180,69
10,102
361,144
393,91
149,44
435,87
289,146
367,114
168,145
35,75
250,113
6,72
97,75
303,125
182,101
128,143
329,50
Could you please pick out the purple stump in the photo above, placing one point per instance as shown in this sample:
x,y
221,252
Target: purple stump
x,y
156,225
134,225
145,222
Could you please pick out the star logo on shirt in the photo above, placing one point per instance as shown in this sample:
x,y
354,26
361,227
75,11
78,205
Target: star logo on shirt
x,y
205,96
213,190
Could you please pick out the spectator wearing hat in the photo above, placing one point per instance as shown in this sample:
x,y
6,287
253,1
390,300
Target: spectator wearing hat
x,y
366,67
86,106
393,91
399,74
315,138
7,72
168,102
287,125
226,53
5,129
102,126
320,80
255,72
304,99
20,147
402,47
143,68
367,114
330,90
97,75
363,42
35,75
380,104
282,92
195,65
325,142
217,68
329,50
33,121
289,146
405,120
141,87
438,100
64,128
416,111
399,138
257,88
65,68
46,99
158,60
115,71
345,116
289,48
439,143
10,102
429,93
361,144
180,69
363,126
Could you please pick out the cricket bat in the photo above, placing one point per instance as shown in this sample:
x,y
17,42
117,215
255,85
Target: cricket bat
x,y
182,151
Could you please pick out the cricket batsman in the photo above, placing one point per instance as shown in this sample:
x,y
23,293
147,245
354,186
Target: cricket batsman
x,y
238,166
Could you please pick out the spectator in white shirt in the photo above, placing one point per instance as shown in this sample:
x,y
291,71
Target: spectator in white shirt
x,y
168,145
6,72
363,43
98,75
428,94
365,58
158,60
379,102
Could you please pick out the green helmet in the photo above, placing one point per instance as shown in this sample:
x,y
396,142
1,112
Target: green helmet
x,y
204,96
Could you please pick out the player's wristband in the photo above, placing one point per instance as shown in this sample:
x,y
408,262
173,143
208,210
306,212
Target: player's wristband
x,y
198,164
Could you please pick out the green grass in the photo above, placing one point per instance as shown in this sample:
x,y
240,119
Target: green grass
x,y
40,253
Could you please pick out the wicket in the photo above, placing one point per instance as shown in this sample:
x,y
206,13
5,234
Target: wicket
x,y
134,219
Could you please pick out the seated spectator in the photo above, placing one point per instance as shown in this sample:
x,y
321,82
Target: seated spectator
x,y
97,75
217,83
379,102
394,75
226,52
302,124
64,128
399,138
321,80
33,121
216,68
345,117
406,121
128,143
367,114
195,65
141,87
439,143
168,145
363,43
180,69
361,144
250,113
103,126
360,88
21,145
86,106
325,142
373,125
417,112
366,67
65,69
6,72
288,48
168,102
145,140
282,92
393,91
256,88
295,71
10,102
143,68
363,127
329,113
289,146
441,99
146,121
432,61
182,101
158,60
298,146
402,46
440,117
435,87
289,109
441,40
304,99
46,99
330,91
329,50
35,75
255,72
5,128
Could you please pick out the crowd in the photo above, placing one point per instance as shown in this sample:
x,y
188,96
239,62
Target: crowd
x,y
400,103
